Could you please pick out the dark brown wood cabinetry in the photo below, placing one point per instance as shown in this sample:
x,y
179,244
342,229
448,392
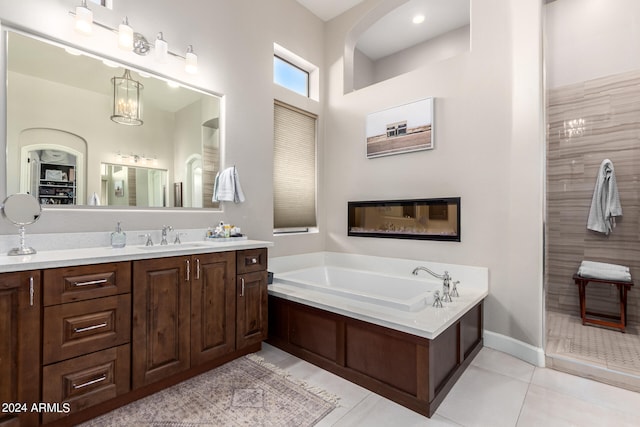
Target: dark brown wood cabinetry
x,y
184,314
86,335
19,347
88,339
252,298
413,371
161,300
213,307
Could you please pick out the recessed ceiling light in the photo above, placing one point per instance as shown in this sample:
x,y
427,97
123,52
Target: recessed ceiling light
x,y
418,19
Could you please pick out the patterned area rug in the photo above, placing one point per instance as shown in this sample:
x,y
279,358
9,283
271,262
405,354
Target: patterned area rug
x,y
243,392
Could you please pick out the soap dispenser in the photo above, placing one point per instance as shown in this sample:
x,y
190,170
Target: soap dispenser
x,y
118,238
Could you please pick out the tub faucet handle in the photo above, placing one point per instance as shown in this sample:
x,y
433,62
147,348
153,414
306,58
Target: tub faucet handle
x,y
454,289
437,301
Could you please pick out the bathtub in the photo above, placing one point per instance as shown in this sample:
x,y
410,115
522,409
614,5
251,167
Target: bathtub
x,y
374,288
379,290
371,321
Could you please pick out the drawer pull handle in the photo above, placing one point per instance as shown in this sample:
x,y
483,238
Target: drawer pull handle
x,y
198,268
90,282
31,291
254,260
188,270
88,383
242,290
90,328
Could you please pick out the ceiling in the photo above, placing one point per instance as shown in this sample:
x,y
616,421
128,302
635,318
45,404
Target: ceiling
x,y
395,31
328,9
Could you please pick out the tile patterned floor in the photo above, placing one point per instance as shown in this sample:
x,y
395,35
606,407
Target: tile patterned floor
x,y
601,353
496,390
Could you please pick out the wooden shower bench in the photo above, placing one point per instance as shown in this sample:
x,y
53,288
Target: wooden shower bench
x,y
618,322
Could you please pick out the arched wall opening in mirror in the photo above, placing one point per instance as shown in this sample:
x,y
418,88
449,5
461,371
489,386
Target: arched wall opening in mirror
x,y
51,86
399,36
50,167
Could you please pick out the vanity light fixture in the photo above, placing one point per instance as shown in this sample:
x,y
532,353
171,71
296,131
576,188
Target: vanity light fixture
x,y
132,41
191,61
84,19
127,101
125,35
135,159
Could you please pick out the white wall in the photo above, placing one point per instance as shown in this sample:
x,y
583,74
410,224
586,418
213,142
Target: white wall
x,y
234,42
587,39
489,146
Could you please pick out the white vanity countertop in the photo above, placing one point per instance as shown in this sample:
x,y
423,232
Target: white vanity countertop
x,y
85,256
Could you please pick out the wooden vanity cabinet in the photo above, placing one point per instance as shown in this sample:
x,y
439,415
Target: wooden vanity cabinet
x,y
184,314
19,347
252,298
86,333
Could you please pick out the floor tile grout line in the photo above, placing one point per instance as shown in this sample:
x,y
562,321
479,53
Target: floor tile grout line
x,y
352,408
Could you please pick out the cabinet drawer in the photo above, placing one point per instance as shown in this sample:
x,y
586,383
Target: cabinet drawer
x,y
251,260
70,284
83,327
87,380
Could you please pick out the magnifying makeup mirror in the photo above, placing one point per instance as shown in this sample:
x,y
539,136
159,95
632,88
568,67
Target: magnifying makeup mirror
x,y
21,209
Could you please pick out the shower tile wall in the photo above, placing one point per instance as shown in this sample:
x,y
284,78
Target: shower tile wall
x,y
587,123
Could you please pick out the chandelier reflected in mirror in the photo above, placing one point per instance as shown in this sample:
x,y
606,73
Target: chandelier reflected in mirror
x,y
127,100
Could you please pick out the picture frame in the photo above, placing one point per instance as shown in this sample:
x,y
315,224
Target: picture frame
x,y
402,129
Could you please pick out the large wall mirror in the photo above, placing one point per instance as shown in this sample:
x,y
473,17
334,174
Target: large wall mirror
x,y
69,145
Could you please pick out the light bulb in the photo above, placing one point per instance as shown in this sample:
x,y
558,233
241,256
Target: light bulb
x,y
162,49
84,19
125,35
191,61
418,19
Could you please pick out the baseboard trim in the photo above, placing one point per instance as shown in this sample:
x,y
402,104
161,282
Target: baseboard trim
x,y
515,348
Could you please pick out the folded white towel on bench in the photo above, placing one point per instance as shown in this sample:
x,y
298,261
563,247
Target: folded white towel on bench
x,y
604,271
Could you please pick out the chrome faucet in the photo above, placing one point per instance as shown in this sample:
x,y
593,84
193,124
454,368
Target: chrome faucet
x,y
447,291
165,229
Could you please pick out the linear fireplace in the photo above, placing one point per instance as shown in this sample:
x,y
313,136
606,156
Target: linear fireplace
x,y
423,219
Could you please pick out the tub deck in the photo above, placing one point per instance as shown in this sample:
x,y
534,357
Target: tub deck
x,y
413,371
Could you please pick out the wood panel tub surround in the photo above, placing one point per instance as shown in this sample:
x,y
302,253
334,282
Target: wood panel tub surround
x,y
413,371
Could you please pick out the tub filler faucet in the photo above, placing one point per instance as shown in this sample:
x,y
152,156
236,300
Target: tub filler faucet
x,y
449,288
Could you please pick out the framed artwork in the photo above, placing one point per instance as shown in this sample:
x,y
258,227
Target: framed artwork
x,y
401,129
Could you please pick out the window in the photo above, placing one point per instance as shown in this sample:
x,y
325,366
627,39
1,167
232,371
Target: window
x,y
288,75
294,169
295,73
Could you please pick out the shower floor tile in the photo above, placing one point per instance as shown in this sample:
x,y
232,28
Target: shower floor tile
x,y
600,353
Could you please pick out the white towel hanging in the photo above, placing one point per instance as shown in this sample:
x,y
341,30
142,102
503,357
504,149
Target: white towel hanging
x,y
227,188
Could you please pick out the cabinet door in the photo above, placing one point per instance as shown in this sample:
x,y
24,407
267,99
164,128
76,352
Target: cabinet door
x,y
19,346
213,306
252,320
161,296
